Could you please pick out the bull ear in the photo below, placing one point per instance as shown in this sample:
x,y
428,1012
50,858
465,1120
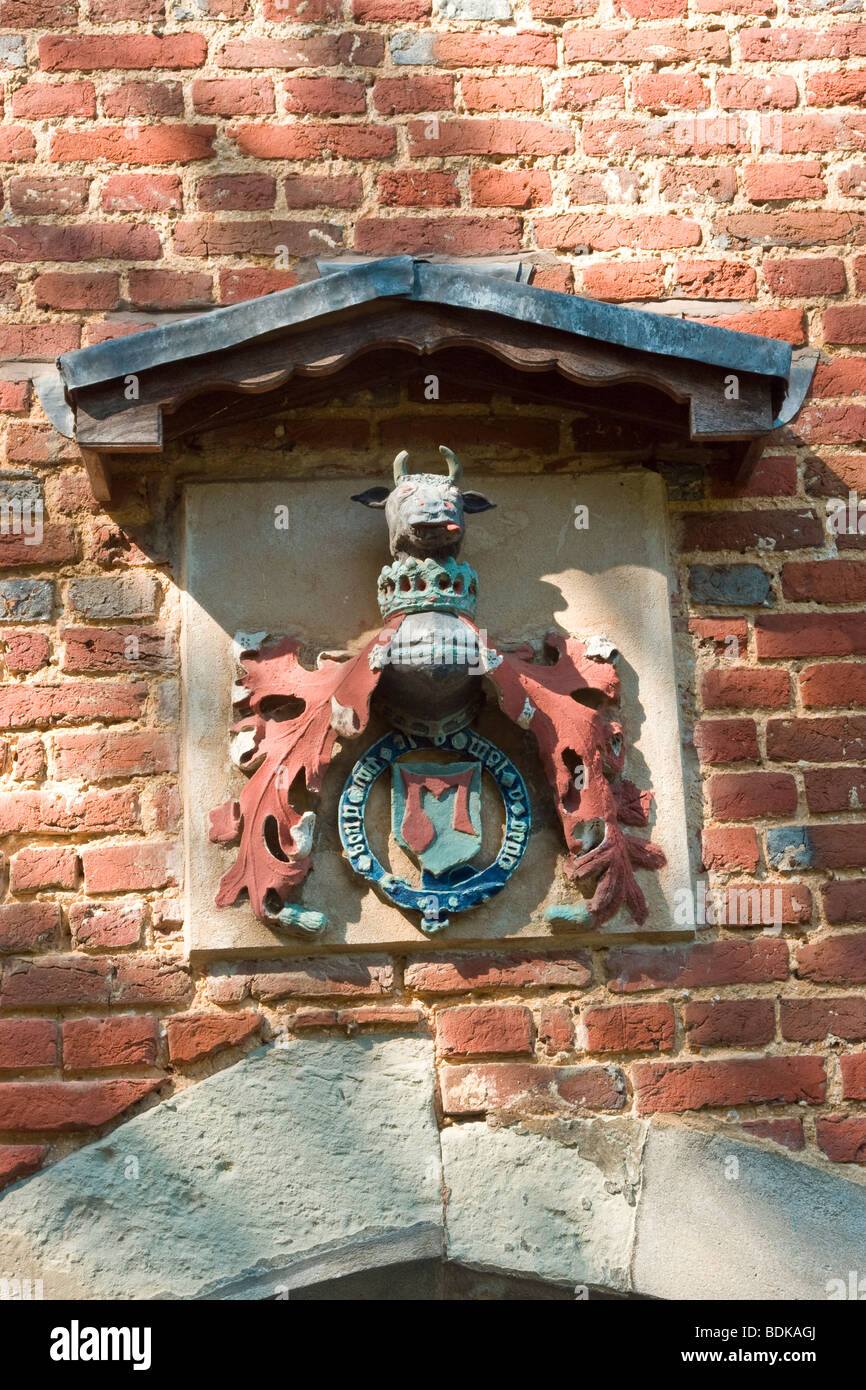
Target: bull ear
x,y
373,497
476,502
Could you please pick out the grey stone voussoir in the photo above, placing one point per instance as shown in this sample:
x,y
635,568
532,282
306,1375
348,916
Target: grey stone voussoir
x,y
302,1162
722,1219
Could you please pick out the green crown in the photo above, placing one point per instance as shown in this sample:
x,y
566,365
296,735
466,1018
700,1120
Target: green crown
x,y
416,586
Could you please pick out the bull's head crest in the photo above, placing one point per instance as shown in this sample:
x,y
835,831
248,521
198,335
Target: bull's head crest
x,y
425,511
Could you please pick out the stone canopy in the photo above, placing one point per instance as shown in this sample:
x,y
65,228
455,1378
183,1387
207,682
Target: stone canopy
x,y
696,381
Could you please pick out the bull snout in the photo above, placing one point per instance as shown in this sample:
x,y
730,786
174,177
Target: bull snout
x,y
438,516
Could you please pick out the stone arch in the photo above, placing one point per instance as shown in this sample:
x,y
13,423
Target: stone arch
x,y
313,1160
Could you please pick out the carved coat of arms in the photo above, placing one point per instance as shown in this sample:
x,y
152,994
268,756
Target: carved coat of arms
x,y
426,670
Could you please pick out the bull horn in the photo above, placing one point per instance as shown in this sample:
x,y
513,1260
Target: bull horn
x,y
455,467
400,469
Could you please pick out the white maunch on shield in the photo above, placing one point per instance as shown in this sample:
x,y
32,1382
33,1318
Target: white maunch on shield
x,y
436,812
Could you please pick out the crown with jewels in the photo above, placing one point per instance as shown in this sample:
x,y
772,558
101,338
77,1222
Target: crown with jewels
x,y
416,586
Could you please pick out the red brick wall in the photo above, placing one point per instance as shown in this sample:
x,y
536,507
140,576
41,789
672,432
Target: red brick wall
x,y
649,149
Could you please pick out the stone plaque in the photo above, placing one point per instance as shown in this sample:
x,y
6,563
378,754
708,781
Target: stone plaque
x,y
582,555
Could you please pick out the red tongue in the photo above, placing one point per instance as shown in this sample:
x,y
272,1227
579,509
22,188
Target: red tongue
x,y
452,526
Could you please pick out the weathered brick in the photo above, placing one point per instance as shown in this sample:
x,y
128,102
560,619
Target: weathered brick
x,y
844,900
314,977
318,140
726,849
233,96
170,289
758,530
678,1086
26,706
515,188
824,581
98,925
701,182
28,1043
19,1161
25,926
475,135
831,960
800,276
761,961
59,290
599,91
502,93
129,1040
813,1019
786,1132
53,981
39,867
40,101
417,188
527,1088
132,99
461,971
833,739
92,52
427,235
842,1137
604,232
163,144
130,867
627,281
726,741
324,96
818,846
69,1105
394,96
142,193
629,1028
89,242
117,649
25,651
729,1022
322,50
235,238
101,757
748,795
662,43
237,193
26,600
555,1029
746,687
810,634
138,979
51,812
476,1029
716,279
117,596
196,1035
